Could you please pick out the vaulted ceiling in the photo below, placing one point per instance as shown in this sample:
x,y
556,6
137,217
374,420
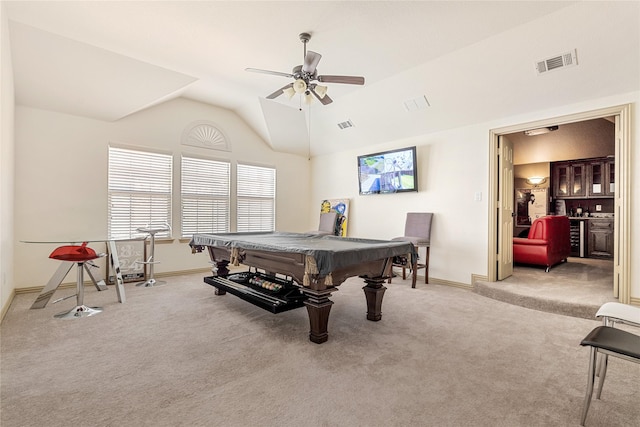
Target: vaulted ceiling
x,y
472,61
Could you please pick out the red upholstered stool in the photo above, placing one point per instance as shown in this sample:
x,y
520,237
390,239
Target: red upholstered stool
x,y
80,255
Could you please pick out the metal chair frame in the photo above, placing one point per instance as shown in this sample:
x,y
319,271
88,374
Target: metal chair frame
x,y
152,230
607,341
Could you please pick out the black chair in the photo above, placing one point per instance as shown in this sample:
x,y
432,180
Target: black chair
x,y
607,341
616,312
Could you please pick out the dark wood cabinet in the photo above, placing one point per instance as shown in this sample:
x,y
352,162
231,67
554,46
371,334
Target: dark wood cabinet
x,y
600,238
569,180
601,178
589,178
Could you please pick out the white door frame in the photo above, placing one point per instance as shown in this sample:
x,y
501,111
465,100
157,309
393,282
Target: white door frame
x,y
622,200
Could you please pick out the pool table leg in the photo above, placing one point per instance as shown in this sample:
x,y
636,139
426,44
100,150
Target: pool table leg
x,y
318,307
374,291
222,271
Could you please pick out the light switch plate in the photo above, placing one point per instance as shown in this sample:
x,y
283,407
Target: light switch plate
x,y
598,208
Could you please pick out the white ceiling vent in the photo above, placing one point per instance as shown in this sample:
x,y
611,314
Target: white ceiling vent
x,y
419,103
345,125
568,59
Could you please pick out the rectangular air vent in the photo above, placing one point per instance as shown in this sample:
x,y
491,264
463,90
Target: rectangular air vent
x,y
568,59
345,125
419,103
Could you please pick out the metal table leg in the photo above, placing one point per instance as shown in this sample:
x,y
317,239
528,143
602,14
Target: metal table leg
x,y
63,269
115,263
51,286
96,278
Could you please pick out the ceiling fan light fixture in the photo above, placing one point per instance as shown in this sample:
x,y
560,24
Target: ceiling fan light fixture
x,y
321,91
289,92
305,77
299,86
308,98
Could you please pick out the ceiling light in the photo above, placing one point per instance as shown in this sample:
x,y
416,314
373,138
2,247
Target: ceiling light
x,y
536,180
299,86
540,131
321,91
308,99
289,92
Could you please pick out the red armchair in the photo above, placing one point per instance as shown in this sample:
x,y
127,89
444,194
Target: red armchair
x,y
548,242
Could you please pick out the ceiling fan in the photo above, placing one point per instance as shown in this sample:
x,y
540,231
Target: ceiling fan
x,y
305,77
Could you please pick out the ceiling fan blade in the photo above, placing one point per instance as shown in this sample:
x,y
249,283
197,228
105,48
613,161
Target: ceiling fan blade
x,y
279,91
275,73
349,80
324,100
311,62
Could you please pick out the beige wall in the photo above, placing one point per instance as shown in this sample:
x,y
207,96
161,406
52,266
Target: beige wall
x,y
61,178
6,164
453,170
60,174
580,140
61,184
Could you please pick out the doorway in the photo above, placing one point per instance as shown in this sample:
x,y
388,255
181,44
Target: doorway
x,y
500,244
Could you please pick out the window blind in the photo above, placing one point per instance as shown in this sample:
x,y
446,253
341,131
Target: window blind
x,y
256,198
205,196
139,191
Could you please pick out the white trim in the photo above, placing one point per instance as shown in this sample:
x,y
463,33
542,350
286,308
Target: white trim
x,y
622,257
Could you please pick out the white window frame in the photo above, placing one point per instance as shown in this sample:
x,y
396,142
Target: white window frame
x,y
255,198
205,195
139,191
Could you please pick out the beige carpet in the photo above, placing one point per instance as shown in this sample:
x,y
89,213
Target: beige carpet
x,y
576,288
178,355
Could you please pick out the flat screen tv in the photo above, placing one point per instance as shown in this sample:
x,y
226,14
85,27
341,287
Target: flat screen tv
x,y
393,171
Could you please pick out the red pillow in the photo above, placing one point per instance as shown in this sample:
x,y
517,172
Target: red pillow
x,y
74,253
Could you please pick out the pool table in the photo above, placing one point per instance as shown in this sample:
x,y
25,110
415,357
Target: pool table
x,y
316,264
